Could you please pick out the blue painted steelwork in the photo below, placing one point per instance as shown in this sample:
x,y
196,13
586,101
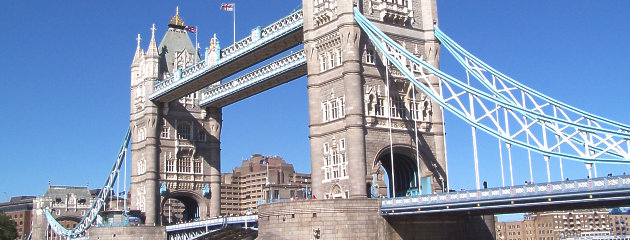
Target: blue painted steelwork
x,y
194,230
456,50
212,222
490,104
510,90
91,216
511,197
254,77
269,34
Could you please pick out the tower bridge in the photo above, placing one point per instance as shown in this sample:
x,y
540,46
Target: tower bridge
x,y
376,126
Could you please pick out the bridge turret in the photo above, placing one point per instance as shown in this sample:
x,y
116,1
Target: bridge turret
x,y
138,59
152,58
172,140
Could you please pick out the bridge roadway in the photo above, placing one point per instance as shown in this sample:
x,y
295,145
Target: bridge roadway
x,y
262,44
574,194
193,229
273,74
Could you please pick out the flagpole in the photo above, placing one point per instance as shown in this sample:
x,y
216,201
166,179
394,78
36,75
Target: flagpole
x,y
234,23
196,43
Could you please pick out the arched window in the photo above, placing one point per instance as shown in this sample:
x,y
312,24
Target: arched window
x,y
183,130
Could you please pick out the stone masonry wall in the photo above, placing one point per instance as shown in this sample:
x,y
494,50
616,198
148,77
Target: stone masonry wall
x,y
334,218
128,233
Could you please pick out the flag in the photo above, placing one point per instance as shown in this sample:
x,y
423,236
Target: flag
x,y
264,161
227,7
191,29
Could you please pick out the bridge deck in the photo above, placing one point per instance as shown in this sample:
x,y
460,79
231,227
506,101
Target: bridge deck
x,y
610,191
259,80
212,223
275,38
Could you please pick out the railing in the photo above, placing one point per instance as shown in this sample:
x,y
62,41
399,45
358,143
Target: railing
x,y
212,222
263,73
532,190
258,36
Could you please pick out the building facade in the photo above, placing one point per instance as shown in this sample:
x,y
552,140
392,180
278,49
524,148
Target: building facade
x,y
353,93
261,179
19,210
573,224
67,204
618,221
175,146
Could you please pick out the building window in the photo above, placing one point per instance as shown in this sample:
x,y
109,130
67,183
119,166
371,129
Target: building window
x,y
326,148
197,166
325,112
331,60
380,107
342,144
165,130
322,63
170,165
201,135
333,109
398,107
183,164
369,55
416,109
339,58
183,131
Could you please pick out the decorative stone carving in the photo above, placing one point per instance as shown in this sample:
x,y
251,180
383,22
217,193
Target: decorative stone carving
x,y
141,197
213,52
397,12
324,11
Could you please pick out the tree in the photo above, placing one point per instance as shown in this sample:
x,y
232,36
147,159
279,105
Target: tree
x,y
8,231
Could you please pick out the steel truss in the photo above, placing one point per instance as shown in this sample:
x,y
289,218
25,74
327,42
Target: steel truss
x,y
89,218
533,121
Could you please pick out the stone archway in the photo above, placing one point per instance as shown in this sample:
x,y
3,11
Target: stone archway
x,y
336,192
182,207
405,170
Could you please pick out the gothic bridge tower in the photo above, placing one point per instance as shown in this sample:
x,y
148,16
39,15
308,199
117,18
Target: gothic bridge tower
x,y
175,148
350,105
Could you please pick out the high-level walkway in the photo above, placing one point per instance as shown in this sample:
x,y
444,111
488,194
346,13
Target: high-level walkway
x,y
262,44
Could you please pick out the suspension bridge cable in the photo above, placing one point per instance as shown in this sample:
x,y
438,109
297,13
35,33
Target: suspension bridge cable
x,y
372,31
416,112
555,114
474,134
447,40
448,183
389,119
529,153
91,215
455,50
499,140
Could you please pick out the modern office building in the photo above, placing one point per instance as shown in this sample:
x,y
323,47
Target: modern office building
x,y
261,179
19,210
572,224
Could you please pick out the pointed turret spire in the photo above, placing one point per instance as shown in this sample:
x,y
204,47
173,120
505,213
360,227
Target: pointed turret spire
x,y
139,52
152,51
177,21
152,57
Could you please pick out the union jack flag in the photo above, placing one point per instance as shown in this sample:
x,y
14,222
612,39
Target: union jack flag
x,y
227,7
191,29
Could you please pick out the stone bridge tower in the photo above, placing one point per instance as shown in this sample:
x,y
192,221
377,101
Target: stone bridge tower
x,y
175,158
350,106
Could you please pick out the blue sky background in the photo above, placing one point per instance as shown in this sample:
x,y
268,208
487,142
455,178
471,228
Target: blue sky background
x,y
65,81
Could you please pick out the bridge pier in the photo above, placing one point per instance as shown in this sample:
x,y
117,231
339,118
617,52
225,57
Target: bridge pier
x,y
128,233
439,227
361,219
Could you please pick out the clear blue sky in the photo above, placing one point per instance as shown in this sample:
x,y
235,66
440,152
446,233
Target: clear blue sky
x,y
65,80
